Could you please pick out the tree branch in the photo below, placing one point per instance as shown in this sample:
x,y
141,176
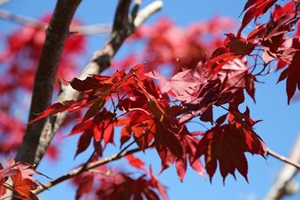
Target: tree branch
x,y
122,28
80,170
284,184
284,159
20,19
56,34
103,29
2,2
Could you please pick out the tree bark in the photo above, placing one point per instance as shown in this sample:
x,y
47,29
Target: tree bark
x,y
56,34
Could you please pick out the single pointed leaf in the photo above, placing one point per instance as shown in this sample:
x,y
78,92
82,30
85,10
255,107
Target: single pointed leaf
x,y
83,142
78,128
250,86
221,119
57,108
94,109
135,162
108,135
291,74
181,166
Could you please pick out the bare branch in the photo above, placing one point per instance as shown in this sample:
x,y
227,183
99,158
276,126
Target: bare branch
x,y
89,167
284,184
22,19
123,27
284,159
56,34
2,2
96,29
144,14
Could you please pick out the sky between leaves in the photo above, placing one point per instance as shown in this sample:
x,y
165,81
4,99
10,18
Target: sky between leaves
x,y
279,128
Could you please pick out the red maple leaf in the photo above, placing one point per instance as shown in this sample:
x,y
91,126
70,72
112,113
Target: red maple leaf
x,y
226,144
291,74
21,175
100,128
23,187
59,107
189,143
255,8
135,162
3,178
182,85
122,186
25,169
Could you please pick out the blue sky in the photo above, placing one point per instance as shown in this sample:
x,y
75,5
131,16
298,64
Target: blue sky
x,y
279,128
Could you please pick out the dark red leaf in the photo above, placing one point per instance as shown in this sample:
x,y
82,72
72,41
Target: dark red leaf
x,y
95,108
227,144
84,85
255,8
238,46
291,74
207,115
221,119
168,140
84,141
250,86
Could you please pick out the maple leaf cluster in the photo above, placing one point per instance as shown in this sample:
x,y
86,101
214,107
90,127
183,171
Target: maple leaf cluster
x,y
149,117
19,60
277,38
22,181
105,183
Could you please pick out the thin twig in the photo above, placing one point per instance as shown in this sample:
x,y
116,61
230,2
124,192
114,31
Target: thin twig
x,y
283,158
2,2
21,19
96,29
